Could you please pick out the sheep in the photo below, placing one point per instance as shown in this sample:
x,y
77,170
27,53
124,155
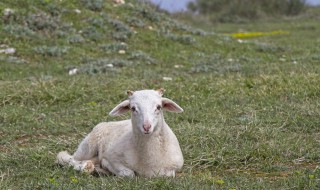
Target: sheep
x,y
143,145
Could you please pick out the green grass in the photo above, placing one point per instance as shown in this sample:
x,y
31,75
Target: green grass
x,y
252,109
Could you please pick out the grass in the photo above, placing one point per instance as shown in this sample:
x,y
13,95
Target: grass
x,y
252,106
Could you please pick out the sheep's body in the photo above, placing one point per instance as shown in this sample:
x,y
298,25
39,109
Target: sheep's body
x,y
122,149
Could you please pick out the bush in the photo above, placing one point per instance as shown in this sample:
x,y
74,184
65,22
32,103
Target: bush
x,y
42,21
232,10
52,51
94,5
289,7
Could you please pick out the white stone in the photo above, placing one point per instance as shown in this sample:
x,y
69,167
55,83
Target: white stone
x,y
167,78
119,2
8,11
73,71
8,50
77,11
122,51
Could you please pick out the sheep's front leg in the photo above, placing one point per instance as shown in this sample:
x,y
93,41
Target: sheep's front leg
x,y
117,168
64,158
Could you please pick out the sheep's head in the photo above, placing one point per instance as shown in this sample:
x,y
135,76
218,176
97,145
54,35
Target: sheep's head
x,y
146,107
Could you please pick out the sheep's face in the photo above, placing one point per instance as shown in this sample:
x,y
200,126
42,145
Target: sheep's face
x,y
146,110
146,107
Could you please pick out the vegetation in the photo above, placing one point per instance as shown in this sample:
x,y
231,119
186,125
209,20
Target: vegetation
x,y
252,105
230,10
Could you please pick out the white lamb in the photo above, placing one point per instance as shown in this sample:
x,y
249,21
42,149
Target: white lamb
x,y
144,145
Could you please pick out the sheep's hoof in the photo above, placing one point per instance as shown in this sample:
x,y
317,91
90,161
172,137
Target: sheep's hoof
x,y
88,167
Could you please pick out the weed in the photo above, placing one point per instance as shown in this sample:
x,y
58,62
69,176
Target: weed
x,y
120,26
136,22
103,65
92,33
54,51
115,47
77,38
12,59
267,48
96,22
141,56
184,39
19,31
174,25
122,31
94,5
149,14
120,36
42,21
217,64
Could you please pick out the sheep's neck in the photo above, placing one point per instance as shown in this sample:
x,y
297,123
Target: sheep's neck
x,y
151,145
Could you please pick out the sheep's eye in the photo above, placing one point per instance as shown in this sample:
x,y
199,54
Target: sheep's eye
x,y
158,107
133,108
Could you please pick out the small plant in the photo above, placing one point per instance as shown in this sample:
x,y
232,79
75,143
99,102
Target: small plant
x,y
152,16
216,64
141,56
103,65
184,39
52,8
120,26
92,33
19,31
133,21
122,31
174,25
115,47
53,51
42,21
94,5
97,22
269,48
77,38
120,36
12,59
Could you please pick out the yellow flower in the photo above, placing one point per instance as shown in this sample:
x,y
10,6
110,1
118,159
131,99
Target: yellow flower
x,y
220,182
257,34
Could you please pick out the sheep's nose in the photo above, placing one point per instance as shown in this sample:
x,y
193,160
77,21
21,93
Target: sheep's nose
x,y
146,127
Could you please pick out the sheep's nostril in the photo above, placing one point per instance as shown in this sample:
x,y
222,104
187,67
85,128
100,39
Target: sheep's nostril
x,y
146,127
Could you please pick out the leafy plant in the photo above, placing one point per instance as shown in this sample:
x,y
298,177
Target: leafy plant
x,y
94,5
54,51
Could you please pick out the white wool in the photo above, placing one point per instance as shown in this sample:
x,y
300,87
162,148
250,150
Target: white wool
x,y
143,145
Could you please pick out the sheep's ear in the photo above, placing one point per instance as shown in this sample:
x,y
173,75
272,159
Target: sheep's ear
x,y
171,106
120,109
161,91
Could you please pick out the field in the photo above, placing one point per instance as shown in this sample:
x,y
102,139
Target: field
x,y
252,104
